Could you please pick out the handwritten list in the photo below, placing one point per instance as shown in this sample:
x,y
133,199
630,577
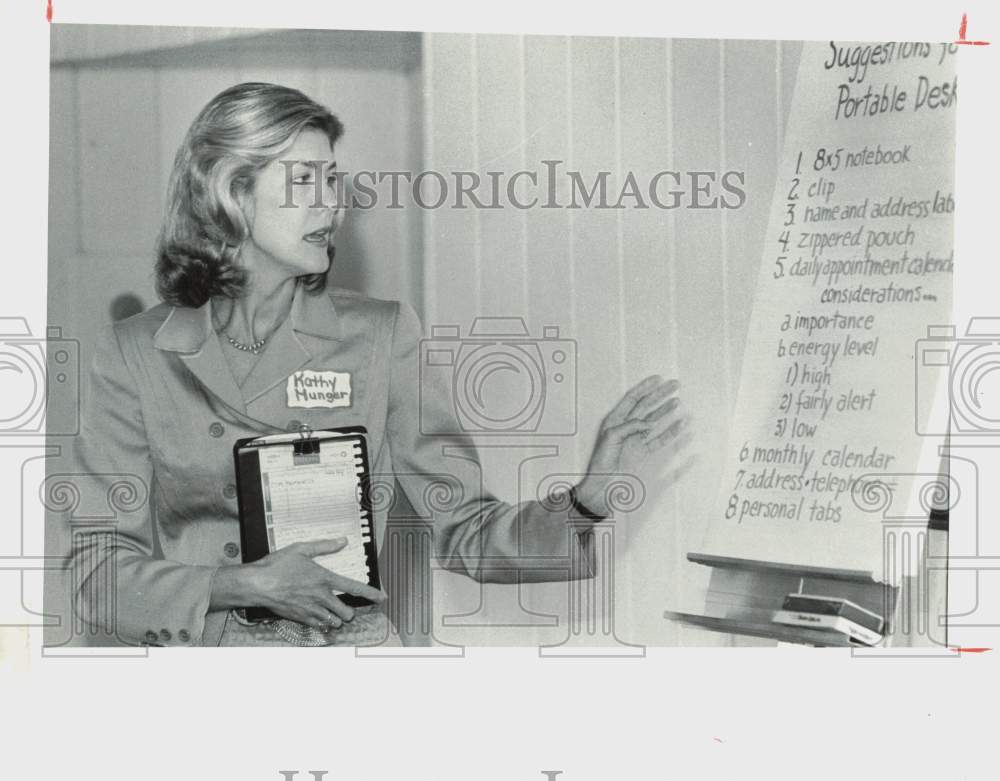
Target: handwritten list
x,y
857,264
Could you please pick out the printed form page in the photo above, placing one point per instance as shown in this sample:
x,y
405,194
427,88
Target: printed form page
x,y
317,497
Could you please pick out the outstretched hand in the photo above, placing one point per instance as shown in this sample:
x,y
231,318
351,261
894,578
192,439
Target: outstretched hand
x,y
648,419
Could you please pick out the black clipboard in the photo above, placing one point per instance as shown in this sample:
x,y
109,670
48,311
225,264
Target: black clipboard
x,y
304,449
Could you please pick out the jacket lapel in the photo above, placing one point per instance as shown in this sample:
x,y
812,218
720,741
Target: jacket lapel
x,y
311,313
189,333
282,356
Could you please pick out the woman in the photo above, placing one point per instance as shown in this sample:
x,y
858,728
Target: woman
x,y
242,263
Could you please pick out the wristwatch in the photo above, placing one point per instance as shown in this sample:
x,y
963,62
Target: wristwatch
x,y
579,507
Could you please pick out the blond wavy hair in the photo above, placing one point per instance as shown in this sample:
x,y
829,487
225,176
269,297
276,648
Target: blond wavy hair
x,y
208,211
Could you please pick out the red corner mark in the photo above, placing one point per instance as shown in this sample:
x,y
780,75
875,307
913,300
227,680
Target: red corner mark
x,y
973,650
961,34
48,12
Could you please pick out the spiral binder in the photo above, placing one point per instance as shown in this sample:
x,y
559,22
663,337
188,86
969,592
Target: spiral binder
x,y
321,456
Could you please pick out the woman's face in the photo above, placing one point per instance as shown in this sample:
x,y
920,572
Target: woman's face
x,y
293,221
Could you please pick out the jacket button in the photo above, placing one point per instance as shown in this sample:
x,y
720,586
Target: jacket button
x,y
184,635
151,636
216,429
165,635
231,549
294,425
229,491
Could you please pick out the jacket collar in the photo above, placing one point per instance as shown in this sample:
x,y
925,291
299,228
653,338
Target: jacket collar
x,y
189,331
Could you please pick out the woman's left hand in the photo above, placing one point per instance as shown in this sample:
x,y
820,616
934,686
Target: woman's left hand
x,y
649,418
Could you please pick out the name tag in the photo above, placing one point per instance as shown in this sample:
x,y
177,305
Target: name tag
x,y
311,389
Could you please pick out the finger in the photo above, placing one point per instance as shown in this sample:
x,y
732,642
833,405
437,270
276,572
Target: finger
x,y
355,588
669,427
621,410
665,416
653,399
319,617
667,407
620,433
335,606
331,621
678,436
345,612
315,548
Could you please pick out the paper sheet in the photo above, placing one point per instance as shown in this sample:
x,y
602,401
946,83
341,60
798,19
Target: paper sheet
x,y
317,498
838,417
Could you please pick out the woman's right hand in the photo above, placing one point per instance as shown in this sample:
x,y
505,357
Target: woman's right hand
x,y
289,583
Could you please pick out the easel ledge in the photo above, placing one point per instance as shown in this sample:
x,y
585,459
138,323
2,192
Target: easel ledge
x,y
744,594
799,571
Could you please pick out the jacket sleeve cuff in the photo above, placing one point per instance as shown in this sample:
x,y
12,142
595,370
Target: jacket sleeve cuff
x,y
159,603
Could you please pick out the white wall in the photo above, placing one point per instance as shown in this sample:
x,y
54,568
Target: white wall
x,y
639,291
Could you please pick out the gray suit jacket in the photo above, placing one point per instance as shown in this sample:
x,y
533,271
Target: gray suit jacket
x,y
165,410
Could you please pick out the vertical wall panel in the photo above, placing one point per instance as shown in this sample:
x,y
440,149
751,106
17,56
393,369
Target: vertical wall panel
x,y
182,92
64,204
500,111
500,116
453,246
64,165
650,321
593,230
373,243
700,279
549,276
410,234
597,261
750,91
791,53
120,206
454,235
119,159
751,147
549,281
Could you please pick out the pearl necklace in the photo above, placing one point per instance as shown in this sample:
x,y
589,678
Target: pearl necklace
x,y
254,348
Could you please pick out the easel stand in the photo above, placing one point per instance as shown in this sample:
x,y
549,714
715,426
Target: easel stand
x,y
743,595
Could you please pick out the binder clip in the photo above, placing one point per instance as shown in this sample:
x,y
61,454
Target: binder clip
x,y
306,444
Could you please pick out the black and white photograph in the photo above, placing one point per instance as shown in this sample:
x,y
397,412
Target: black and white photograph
x,y
620,363
556,315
